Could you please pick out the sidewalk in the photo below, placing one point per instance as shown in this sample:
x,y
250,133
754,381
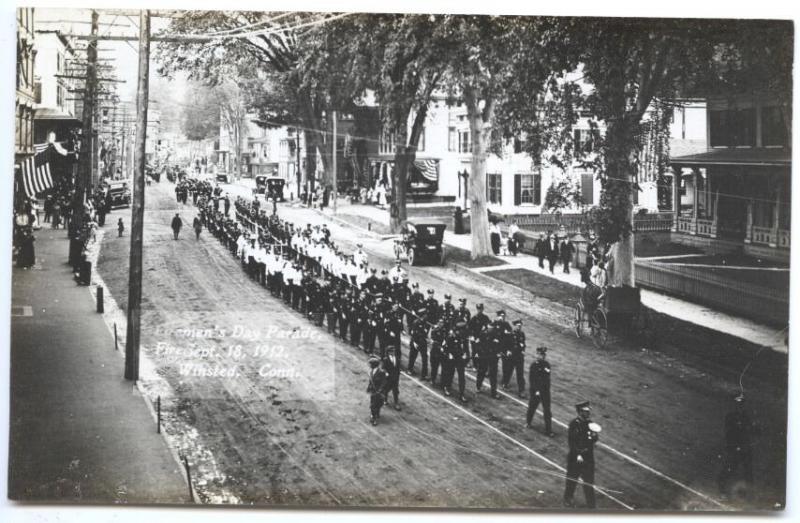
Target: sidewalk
x,y
79,432
743,328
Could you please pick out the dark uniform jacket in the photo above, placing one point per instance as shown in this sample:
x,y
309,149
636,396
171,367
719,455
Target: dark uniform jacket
x,y
539,375
518,346
454,350
499,336
476,324
581,439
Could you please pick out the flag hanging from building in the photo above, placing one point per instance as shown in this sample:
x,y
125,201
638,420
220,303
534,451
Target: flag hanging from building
x,y
429,169
36,176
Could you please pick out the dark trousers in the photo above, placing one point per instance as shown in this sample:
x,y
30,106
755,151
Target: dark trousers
x,y
418,348
449,369
287,293
487,366
584,471
494,238
394,385
375,404
514,365
566,265
541,261
343,323
332,318
297,293
369,340
543,397
355,333
552,263
175,233
733,460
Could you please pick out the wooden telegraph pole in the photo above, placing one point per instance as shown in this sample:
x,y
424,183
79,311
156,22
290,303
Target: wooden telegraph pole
x,y
335,192
83,178
137,208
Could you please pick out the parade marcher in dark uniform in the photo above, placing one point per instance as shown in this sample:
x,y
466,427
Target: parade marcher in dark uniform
x,y
419,343
497,342
454,360
392,330
438,334
333,309
514,360
739,433
447,311
370,327
432,308
378,378
391,363
198,227
475,327
582,435
176,226
345,304
371,284
416,301
356,317
539,377
462,315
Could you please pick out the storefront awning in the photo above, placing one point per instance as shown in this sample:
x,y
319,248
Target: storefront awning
x,y
46,113
777,157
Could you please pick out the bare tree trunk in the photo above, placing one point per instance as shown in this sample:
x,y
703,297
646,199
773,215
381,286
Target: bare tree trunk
x,y
621,157
480,128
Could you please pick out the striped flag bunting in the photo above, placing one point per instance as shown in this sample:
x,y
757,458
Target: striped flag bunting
x,y
36,176
429,169
40,147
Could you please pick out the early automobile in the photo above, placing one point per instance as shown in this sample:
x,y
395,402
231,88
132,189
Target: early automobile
x,y
223,178
421,243
119,193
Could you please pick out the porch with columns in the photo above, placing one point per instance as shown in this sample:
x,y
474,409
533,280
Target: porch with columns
x,y
728,205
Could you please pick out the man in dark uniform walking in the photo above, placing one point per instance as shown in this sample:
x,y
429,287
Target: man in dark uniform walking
x,y
539,377
391,363
438,334
498,341
378,378
514,360
475,327
455,360
419,343
416,301
176,225
582,435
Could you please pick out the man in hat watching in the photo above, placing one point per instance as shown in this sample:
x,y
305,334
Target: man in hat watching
x,y
176,225
582,435
514,360
378,379
739,432
539,377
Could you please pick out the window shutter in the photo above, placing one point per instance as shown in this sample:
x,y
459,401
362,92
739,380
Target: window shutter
x,y
517,191
451,139
537,189
587,189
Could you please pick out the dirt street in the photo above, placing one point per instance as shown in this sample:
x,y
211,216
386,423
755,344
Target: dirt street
x,y
271,410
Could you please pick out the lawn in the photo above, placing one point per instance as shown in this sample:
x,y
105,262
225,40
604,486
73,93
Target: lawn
x,y
538,284
464,257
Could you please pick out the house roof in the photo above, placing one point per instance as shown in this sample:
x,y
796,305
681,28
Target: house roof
x,y
757,156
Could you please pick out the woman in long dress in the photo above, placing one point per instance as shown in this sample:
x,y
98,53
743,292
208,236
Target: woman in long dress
x,y
494,238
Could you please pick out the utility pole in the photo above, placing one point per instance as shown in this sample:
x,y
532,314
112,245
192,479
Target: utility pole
x,y
83,178
335,180
137,208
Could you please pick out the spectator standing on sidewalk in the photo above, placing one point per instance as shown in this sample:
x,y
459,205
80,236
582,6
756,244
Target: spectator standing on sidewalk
x,y
551,251
540,249
120,227
176,225
494,238
566,250
26,257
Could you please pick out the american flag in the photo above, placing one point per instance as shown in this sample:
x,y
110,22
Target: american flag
x,y
429,169
36,175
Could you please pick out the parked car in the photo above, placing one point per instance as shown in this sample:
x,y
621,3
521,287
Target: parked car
x,y
223,178
119,193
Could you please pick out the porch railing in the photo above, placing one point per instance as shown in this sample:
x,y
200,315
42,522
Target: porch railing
x,y
725,292
763,235
706,228
686,225
784,238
